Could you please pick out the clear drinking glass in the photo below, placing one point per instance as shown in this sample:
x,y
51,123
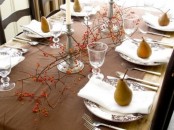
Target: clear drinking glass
x,y
130,24
56,28
5,69
96,52
88,7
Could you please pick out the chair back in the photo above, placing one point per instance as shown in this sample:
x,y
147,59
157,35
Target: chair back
x,y
165,105
12,15
49,7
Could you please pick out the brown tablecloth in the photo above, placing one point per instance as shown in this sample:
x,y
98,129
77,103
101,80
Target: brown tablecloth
x,y
67,114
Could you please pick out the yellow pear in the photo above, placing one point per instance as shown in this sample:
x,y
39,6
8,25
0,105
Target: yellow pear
x,y
77,7
144,50
122,94
44,25
163,20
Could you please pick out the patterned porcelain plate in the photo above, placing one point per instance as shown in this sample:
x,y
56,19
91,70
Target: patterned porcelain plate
x,y
114,116
138,62
12,51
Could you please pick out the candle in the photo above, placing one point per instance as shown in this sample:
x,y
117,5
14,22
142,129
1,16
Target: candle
x,y
68,12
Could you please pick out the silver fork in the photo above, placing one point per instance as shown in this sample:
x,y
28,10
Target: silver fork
x,y
149,32
96,124
90,127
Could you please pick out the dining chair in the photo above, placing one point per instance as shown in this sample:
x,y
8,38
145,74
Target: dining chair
x,y
6,20
49,7
165,105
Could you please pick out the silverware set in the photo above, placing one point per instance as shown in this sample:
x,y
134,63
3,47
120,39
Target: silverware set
x,y
28,41
93,125
153,33
120,75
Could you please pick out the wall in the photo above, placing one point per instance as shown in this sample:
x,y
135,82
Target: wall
x,y
7,8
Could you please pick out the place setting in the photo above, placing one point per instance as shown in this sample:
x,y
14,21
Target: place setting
x,y
99,98
82,8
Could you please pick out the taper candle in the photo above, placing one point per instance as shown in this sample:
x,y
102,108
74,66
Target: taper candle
x,y
68,12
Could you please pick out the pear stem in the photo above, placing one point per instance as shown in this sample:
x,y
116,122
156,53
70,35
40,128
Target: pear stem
x,y
168,10
125,73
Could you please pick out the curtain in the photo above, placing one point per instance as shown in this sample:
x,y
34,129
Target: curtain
x,y
49,5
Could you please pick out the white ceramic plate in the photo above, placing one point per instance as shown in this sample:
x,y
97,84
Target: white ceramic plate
x,y
114,116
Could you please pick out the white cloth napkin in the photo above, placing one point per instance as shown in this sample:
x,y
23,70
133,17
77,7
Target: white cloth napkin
x,y
14,61
82,13
158,55
102,93
153,21
36,27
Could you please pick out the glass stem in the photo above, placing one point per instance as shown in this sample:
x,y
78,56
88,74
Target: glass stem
x,y
96,71
5,81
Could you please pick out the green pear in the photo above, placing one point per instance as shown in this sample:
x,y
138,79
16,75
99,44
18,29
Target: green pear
x,y
144,50
122,94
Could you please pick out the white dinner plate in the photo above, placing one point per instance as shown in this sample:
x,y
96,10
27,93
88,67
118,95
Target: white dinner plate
x,y
114,116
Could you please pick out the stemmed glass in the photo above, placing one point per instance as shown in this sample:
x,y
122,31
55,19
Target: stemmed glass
x,y
5,69
56,28
96,52
88,7
130,24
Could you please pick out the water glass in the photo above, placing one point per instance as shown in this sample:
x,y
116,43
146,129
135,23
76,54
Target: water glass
x,y
88,7
130,23
56,28
96,52
5,69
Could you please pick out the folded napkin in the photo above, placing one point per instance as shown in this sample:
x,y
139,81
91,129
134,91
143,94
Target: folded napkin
x,y
82,13
102,93
35,26
153,21
158,55
14,61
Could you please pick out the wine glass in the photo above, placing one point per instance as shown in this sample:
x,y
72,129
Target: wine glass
x,y
56,28
88,7
5,69
130,24
96,52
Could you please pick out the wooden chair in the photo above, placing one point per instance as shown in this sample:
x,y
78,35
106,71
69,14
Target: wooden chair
x,y
49,7
13,18
165,105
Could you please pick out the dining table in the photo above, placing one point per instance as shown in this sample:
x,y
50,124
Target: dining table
x,y
44,98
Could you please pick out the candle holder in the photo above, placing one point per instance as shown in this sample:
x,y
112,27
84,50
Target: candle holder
x,y
109,25
70,64
110,13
